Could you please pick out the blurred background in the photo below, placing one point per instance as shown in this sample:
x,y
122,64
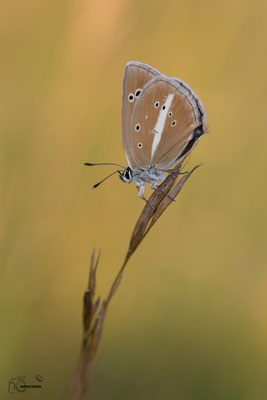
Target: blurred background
x,y
189,320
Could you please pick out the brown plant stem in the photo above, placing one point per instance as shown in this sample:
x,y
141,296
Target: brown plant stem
x,y
93,321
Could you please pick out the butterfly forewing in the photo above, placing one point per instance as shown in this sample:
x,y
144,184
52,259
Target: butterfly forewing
x,y
135,77
163,121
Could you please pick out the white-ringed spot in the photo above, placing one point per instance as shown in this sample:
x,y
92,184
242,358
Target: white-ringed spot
x,y
138,92
156,105
170,114
140,145
131,97
173,123
137,127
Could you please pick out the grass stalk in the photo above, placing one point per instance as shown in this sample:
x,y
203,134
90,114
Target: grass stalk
x,y
94,310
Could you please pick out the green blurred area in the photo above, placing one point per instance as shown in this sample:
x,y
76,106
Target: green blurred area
x,y
189,320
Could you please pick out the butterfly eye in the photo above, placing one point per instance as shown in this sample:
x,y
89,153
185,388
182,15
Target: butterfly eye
x,y
156,105
138,92
170,114
137,127
131,97
140,145
173,123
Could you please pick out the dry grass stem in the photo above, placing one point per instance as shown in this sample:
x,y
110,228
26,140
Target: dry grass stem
x,y
94,311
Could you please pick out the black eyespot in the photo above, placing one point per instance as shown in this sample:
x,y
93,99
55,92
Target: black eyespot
x,y
137,127
140,145
170,114
138,92
131,97
156,105
163,107
173,123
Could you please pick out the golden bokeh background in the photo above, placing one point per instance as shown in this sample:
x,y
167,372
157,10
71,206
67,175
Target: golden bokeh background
x,y
189,320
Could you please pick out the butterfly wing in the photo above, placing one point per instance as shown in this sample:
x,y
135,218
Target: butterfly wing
x,y
167,121
136,75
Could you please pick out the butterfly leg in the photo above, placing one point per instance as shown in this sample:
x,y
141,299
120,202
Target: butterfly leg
x,y
170,171
141,195
157,189
177,173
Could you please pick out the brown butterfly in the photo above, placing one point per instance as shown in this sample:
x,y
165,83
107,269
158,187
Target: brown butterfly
x,y
162,121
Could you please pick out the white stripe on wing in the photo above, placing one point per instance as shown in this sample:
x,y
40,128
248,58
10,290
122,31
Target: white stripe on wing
x,y
160,123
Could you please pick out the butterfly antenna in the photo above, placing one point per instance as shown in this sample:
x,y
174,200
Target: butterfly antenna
x,y
97,184
118,165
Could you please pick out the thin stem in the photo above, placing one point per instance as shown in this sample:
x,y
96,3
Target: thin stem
x,y
94,310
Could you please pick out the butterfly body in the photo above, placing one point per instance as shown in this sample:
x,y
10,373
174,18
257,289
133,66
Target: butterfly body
x,y
162,121
141,177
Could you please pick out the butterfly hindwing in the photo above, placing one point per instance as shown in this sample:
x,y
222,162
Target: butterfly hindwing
x,y
164,123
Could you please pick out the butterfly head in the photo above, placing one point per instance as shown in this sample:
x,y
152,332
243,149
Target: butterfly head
x,y
126,175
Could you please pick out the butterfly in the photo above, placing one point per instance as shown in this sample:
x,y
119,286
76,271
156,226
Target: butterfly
x,y
162,121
